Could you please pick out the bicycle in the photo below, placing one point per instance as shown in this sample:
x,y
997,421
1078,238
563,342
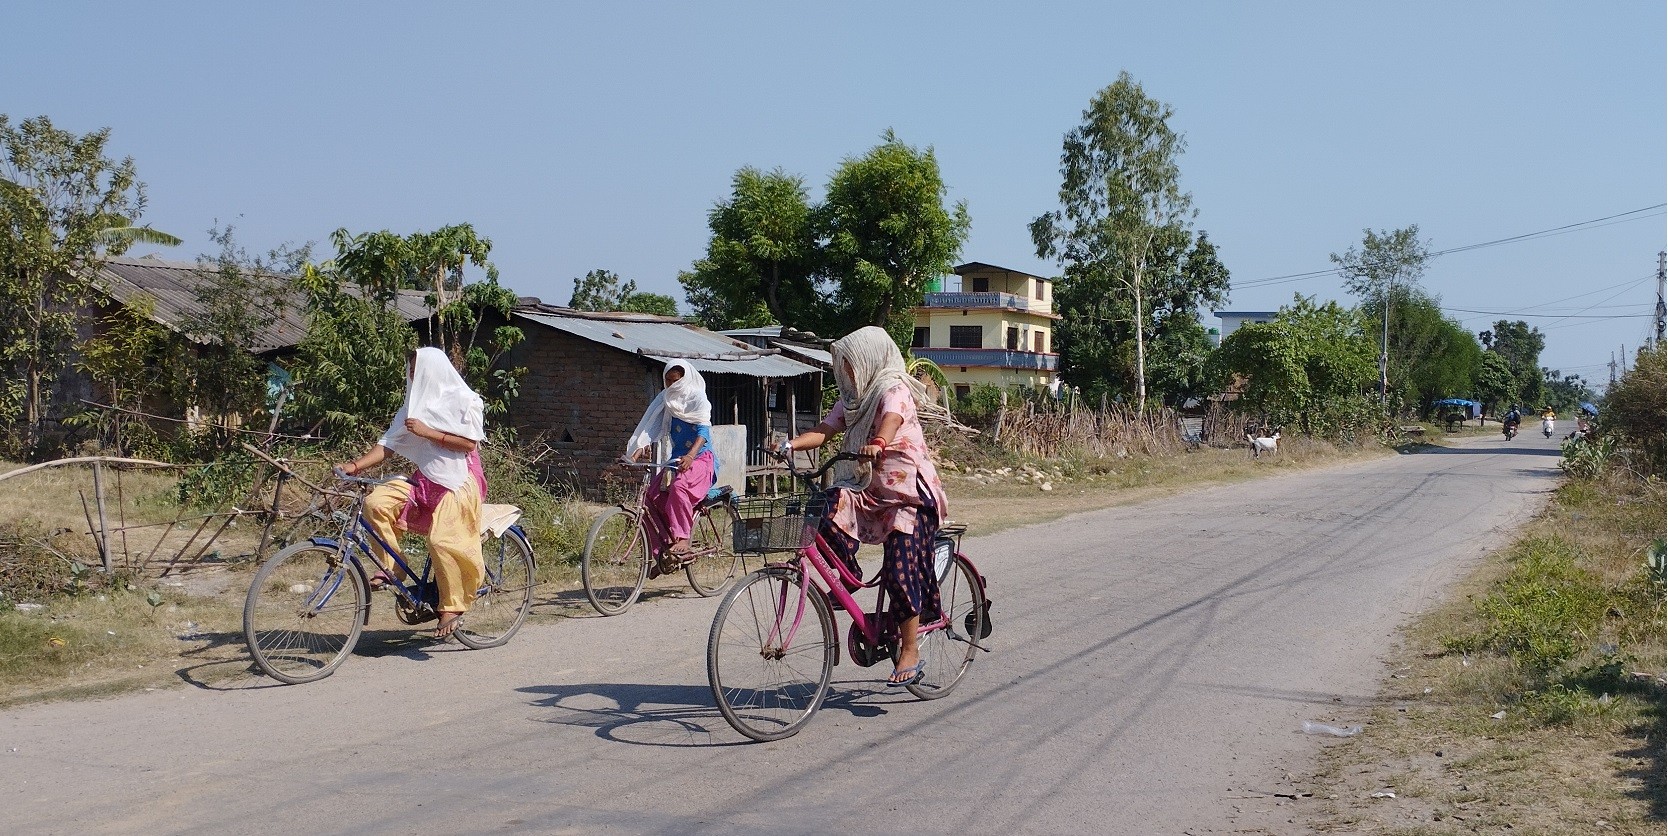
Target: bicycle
x,y
308,604
773,645
615,564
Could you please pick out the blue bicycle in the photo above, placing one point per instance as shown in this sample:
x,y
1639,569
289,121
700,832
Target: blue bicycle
x,y
309,602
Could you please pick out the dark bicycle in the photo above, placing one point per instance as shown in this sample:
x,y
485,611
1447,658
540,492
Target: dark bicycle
x,y
309,602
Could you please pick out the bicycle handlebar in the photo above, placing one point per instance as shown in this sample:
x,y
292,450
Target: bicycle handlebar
x,y
812,475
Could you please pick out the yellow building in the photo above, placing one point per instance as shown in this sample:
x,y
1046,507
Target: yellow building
x,y
998,329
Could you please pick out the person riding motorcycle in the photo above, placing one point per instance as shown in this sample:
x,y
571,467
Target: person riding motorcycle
x,y
1509,424
1549,418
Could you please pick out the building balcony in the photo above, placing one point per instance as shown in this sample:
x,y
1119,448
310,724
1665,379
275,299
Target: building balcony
x,y
990,358
1007,301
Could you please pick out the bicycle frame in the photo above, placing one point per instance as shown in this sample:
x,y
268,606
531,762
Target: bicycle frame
x,y
834,576
354,534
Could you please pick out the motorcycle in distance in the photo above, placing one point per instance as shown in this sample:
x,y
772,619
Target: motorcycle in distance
x,y
1547,427
1509,429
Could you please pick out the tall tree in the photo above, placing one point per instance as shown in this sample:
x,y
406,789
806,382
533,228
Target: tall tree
x,y
1431,355
888,234
1564,392
1494,384
1520,345
64,208
1385,264
763,251
1122,219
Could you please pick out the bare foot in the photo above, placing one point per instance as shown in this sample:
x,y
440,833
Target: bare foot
x,y
448,624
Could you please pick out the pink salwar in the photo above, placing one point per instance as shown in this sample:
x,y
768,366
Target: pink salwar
x,y
673,510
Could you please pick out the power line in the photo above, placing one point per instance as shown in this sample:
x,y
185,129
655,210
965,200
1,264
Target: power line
x,y
1595,223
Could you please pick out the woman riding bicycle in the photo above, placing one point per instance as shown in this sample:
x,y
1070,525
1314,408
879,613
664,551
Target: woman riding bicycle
x,y
438,429
682,416
897,500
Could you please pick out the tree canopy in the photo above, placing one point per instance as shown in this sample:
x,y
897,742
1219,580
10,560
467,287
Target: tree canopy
x,y
763,257
1306,369
602,290
1520,346
864,256
65,206
1387,263
1132,272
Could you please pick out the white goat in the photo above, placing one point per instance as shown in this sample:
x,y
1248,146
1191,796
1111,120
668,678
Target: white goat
x,y
1267,444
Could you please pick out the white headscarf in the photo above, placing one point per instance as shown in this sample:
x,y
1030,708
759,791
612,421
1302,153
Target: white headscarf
x,y
685,400
876,366
438,396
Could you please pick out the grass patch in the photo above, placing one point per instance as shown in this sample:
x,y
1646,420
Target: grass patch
x,y
1534,699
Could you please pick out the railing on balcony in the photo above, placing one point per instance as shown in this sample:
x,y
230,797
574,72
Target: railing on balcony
x,y
976,300
990,357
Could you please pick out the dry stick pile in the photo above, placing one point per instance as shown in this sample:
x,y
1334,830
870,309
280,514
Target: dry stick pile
x,y
1115,431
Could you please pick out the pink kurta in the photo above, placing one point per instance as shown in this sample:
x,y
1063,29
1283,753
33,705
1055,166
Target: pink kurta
x,y
888,504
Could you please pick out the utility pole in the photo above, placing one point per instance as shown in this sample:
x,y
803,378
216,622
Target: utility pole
x,y
1661,296
1612,368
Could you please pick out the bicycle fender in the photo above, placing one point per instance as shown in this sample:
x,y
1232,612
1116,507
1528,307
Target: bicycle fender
x,y
327,542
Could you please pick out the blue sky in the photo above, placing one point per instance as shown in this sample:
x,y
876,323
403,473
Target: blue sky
x,y
580,136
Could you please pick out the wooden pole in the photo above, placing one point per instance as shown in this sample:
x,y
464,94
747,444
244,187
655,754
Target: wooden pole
x,y
103,521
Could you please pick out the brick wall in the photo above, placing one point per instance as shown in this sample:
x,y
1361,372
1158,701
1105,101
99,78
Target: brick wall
x,y
582,397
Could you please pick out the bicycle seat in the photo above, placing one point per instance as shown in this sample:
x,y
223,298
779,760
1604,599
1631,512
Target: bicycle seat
x,y
497,519
719,494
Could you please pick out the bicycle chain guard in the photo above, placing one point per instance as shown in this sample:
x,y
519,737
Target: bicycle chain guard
x,y
862,652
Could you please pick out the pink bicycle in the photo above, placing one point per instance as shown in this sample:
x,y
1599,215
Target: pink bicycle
x,y
773,646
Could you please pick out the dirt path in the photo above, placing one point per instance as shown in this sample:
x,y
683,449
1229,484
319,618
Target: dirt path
x,y
1152,665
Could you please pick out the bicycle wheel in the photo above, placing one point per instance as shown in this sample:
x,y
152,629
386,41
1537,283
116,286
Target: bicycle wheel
x,y
711,539
616,562
304,612
770,654
948,651
505,596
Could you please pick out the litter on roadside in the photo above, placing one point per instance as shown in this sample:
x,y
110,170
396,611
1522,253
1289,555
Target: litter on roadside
x,y
1384,794
1312,727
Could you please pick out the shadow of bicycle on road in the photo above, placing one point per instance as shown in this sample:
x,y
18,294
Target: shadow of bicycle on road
x,y
671,715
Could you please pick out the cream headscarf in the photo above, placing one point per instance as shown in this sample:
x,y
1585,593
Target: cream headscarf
x,y
438,396
685,400
876,366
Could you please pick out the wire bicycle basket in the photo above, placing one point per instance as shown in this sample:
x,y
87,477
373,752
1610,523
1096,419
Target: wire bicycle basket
x,y
779,524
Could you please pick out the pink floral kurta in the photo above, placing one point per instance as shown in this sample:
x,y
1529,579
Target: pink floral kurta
x,y
889,503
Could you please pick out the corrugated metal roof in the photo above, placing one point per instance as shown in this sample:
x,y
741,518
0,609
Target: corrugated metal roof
x,y
665,338
171,285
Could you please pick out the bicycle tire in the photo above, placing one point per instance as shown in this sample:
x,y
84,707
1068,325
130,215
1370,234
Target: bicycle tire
x,y
304,612
616,562
947,651
711,538
762,697
506,593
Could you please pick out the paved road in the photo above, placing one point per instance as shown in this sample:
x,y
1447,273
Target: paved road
x,y
1151,666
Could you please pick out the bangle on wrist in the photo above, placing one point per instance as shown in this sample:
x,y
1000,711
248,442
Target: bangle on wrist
x,y
878,442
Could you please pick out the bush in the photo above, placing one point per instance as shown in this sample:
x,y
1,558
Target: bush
x,y
1587,458
1633,411
1544,612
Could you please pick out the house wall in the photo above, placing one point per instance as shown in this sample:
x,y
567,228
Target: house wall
x,y
995,322
1003,378
583,398
1019,284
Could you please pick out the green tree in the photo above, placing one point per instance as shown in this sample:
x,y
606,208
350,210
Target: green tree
x,y
888,233
1520,345
1306,369
64,208
382,263
1564,392
1633,413
650,303
350,368
1494,384
1388,263
600,290
236,295
763,254
1431,355
1120,234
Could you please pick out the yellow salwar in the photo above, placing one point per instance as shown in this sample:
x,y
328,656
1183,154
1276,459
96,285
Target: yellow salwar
x,y
454,538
